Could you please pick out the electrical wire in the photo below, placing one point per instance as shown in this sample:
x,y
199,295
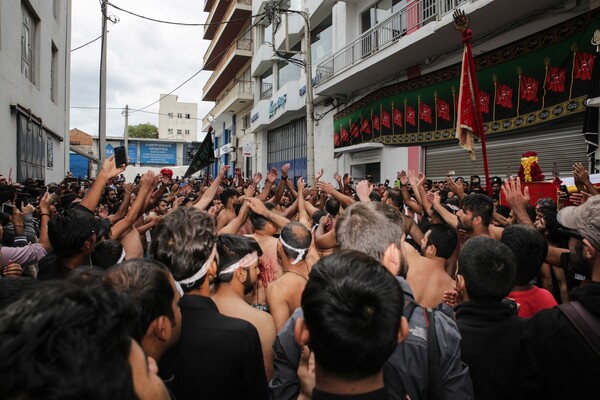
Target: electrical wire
x,y
83,45
179,23
132,110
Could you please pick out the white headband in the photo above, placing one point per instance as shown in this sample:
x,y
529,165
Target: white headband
x,y
122,256
198,275
244,262
301,252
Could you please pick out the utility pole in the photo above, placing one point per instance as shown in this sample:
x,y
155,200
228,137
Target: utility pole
x,y
310,127
126,131
102,101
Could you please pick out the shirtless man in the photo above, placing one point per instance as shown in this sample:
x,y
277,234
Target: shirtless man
x,y
237,273
427,274
265,223
228,199
284,294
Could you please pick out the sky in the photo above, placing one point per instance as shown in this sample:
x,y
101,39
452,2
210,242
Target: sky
x,y
144,59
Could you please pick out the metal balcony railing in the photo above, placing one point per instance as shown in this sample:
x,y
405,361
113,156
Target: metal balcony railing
x,y
388,32
266,91
237,88
241,44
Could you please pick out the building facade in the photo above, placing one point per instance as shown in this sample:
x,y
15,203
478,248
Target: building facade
x,y
177,120
35,44
230,85
386,77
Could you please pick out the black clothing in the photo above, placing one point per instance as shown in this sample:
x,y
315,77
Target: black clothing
x,y
50,268
563,365
490,346
380,394
217,357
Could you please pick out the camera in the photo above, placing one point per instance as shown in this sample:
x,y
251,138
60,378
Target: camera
x,y
512,304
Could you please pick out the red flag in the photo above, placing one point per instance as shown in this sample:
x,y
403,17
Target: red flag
x,y
584,63
336,139
425,113
484,102
466,125
443,109
354,130
365,127
410,115
555,81
345,135
529,88
385,119
504,95
397,117
375,119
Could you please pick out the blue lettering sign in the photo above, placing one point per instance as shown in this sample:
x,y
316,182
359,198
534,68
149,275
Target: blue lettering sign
x,y
110,150
275,105
255,117
302,90
158,153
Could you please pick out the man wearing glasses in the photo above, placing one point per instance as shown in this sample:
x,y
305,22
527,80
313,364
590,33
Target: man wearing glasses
x,y
562,361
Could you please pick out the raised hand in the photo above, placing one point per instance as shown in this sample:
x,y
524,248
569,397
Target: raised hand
x,y
319,174
272,175
257,178
284,169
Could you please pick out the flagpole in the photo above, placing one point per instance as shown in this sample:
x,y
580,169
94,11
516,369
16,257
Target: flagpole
x,y
495,79
519,72
419,116
392,119
462,22
574,48
436,109
547,62
405,116
454,107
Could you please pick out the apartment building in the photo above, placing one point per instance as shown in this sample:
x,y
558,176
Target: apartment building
x,y
386,76
177,120
230,85
35,45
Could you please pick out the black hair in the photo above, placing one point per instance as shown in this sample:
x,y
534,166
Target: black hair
x,y
316,217
374,196
61,331
298,236
7,193
395,195
148,284
257,220
332,206
488,267
444,238
69,231
107,253
231,249
103,226
480,205
14,288
503,210
227,194
85,275
352,307
529,248
183,240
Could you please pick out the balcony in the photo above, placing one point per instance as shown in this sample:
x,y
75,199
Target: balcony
x,y
233,100
231,63
407,38
289,32
266,91
237,14
262,59
208,5
217,11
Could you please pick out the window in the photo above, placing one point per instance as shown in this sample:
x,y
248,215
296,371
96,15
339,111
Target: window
x,y
179,115
322,41
28,43
187,116
246,121
287,72
170,116
54,74
170,131
187,131
179,131
266,84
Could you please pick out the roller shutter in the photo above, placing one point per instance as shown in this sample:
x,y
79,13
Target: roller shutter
x,y
562,143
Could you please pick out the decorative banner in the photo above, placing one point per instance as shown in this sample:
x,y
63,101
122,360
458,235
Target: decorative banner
x,y
205,155
535,80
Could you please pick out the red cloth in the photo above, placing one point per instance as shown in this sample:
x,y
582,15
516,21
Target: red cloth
x,y
375,119
425,113
345,135
584,63
529,88
443,109
410,115
365,127
532,301
555,81
397,117
336,139
354,130
484,102
504,95
385,119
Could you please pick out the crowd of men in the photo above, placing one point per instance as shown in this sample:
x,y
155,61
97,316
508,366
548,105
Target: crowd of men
x,y
250,288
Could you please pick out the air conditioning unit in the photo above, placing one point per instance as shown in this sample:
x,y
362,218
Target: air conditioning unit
x,y
234,142
233,156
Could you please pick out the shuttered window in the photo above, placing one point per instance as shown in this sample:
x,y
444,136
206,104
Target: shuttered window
x,y
562,143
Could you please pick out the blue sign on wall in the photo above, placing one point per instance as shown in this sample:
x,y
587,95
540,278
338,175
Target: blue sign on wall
x,y
158,153
110,150
131,151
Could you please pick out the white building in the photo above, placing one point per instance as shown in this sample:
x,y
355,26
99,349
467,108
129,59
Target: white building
x,y
35,42
386,77
177,120
230,85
